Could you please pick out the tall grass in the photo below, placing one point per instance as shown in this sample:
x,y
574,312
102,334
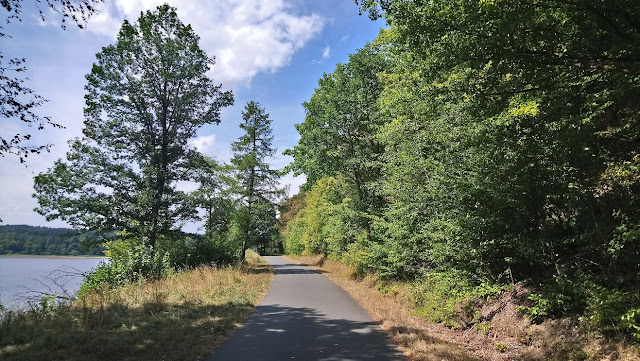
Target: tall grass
x,y
182,317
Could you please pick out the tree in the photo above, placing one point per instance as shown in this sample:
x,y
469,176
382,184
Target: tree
x,y
512,146
146,97
257,182
549,86
17,100
338,133
214,196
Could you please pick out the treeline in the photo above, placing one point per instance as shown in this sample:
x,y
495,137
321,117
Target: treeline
x,y
147,96
477,144
30,240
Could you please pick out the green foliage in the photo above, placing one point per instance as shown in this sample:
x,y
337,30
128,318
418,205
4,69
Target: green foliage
x,y
130,260
485,328
501,146
449,297
327,224
611,311
198,250
255,223
539,310
46,306
631,321
338,133
147,95
507,135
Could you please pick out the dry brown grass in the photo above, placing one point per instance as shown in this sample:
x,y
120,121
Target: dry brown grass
x,y
182,317
507,336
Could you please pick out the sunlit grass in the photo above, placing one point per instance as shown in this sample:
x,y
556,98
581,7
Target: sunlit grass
x,y
182,317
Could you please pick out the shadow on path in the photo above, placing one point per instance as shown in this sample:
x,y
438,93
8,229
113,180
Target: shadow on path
x,y
276,332
293,269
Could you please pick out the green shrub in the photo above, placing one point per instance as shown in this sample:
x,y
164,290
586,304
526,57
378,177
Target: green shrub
x,y
601,309
436,294
129,260
200,250
500,347
631,322
449,297
611,311
46,306
539,310
559,297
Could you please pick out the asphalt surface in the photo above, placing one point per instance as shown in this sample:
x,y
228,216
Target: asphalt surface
x,y
305,316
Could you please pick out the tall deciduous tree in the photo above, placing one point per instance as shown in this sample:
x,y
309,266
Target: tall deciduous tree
x,y
550,88
338,136
257,181
146,97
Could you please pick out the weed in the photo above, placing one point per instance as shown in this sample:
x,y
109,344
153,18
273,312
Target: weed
x,y
484,328
500,347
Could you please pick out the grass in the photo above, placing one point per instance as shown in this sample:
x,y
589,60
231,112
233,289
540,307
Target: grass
x,y
183,317
504,336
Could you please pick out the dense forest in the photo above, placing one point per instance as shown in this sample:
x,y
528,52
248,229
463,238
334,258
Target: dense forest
x,y
480,144
30,240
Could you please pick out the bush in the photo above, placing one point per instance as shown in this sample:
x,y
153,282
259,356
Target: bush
x,y
612,311
328,223
130,260
200,250
631,322
602,309
449,297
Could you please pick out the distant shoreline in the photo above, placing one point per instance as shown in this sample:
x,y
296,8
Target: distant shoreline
x,y
45,256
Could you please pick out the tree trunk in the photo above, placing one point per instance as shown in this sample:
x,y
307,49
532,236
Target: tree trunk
x,y
243,257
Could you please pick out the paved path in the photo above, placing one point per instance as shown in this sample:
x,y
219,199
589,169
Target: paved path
x,y
305,316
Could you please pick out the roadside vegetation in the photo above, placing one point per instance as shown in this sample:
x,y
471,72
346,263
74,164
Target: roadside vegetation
x,y
477,149
183,316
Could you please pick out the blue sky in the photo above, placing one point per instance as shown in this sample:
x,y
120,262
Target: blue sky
x,y
270,51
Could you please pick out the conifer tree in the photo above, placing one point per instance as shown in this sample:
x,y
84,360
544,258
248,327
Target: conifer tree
x,y
257,181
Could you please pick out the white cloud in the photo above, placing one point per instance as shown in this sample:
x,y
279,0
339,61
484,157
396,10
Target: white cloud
x,y
245,36
326,53
205,144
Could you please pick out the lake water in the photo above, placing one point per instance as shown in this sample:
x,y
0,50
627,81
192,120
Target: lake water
x,y
24,279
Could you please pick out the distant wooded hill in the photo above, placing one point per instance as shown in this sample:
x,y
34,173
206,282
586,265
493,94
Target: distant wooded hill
x,y
30,240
